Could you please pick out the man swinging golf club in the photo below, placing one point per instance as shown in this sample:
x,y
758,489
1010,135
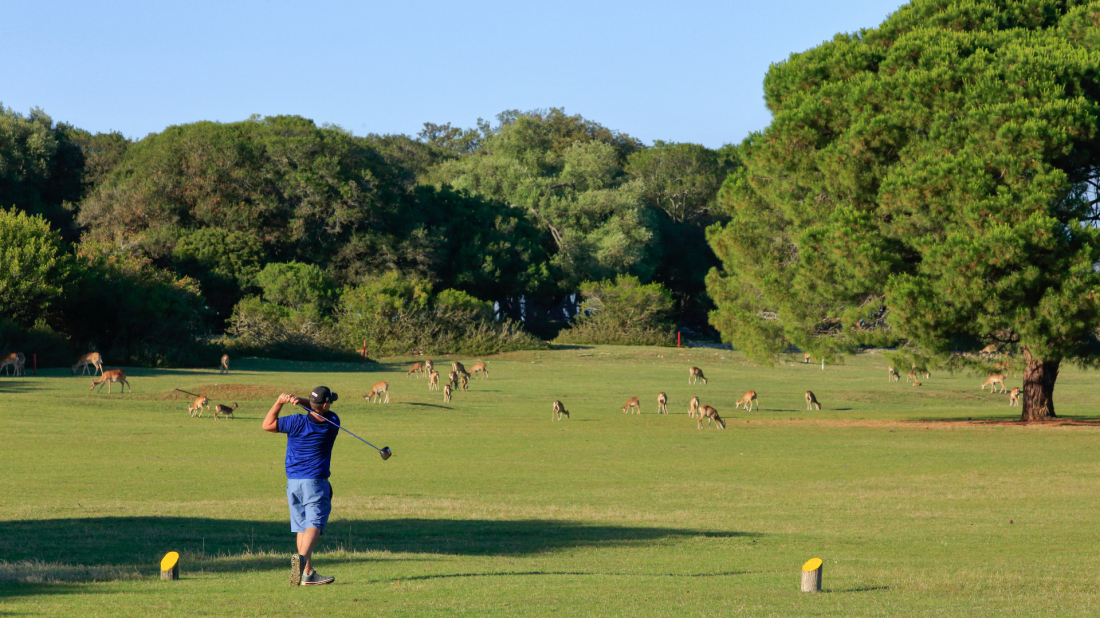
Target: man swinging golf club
x,y
308,452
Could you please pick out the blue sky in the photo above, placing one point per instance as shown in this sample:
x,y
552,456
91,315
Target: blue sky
x,y
687,72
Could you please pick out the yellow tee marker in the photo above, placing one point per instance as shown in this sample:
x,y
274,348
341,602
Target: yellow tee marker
x,y
170,566
811,575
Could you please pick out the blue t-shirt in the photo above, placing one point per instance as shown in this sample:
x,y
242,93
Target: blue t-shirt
x,y
308,445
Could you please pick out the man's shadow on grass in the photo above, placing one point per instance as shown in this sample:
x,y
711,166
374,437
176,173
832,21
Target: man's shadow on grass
x,y
128,544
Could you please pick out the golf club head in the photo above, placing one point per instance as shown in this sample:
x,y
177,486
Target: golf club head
x,y
386,452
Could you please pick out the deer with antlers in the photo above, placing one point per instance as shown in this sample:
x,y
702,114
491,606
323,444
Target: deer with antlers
x,y
479,367
747,401
711,415
992,382
559,410
433,381
1014,396
811,401
224,368
696,374
447,393
224,410
693,407
198,406
379,389
109,378
417,368
662,403
92,359
634,405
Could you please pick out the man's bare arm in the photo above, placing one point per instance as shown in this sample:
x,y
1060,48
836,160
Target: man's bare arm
x,y
271,421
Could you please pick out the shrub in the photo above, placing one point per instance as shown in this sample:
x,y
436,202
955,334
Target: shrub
x,y
622,312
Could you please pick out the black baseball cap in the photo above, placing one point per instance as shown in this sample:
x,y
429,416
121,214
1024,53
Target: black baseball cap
x,y
322,394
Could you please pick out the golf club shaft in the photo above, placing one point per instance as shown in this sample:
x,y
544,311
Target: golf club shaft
x,y
310,410
187,393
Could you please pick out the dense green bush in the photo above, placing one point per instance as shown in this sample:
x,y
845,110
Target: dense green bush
x,y
622,312
31,266
52,348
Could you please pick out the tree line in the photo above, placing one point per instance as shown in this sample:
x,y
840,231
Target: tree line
x,y
274,230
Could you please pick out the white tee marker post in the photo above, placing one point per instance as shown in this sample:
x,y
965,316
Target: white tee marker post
x,y
811,575
170,566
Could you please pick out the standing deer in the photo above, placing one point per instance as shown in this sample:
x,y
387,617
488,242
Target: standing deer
x,y
93,359
198,406
632,403
452,378
1014,397
433,381
989,350
992,382
662,403
11,360
811,401
479,367
447,393
559,409
225,411
465,380
379,389
458,368
747,401
224,369
806,358
417,368
696,374
693,407
110,377
710,414
429,366
893,376
910,377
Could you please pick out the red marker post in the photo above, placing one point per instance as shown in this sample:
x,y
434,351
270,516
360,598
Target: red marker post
x,y
677,338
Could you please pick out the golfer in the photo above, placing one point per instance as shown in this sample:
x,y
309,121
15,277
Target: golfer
x,y
309,440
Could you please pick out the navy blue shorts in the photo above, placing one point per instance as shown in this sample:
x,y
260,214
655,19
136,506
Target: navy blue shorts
x,y
310,503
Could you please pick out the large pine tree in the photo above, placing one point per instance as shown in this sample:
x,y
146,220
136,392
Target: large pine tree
x,y
936,176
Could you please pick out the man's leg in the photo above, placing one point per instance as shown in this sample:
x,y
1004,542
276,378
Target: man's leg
x,y
306,542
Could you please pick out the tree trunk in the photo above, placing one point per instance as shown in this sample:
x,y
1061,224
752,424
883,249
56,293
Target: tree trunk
x,y
1039,377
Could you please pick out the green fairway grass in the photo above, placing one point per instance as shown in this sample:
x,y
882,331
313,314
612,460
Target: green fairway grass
x,y
921,501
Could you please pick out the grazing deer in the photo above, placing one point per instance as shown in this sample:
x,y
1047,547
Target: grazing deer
x,y
429,366
452,378
417,368
458,368
696,374
662,403
710,414
910,377
224,368
920,370
433,381
465,379
992,382
806,358
198,406
447,393
559,409
379,389
632,403
93,359
1014,397
893,376
225,411
747,401
110,377
811,401
479,367
11,360
693,407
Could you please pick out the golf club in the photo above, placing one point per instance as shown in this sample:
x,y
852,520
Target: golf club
x,y
384,451
188,393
